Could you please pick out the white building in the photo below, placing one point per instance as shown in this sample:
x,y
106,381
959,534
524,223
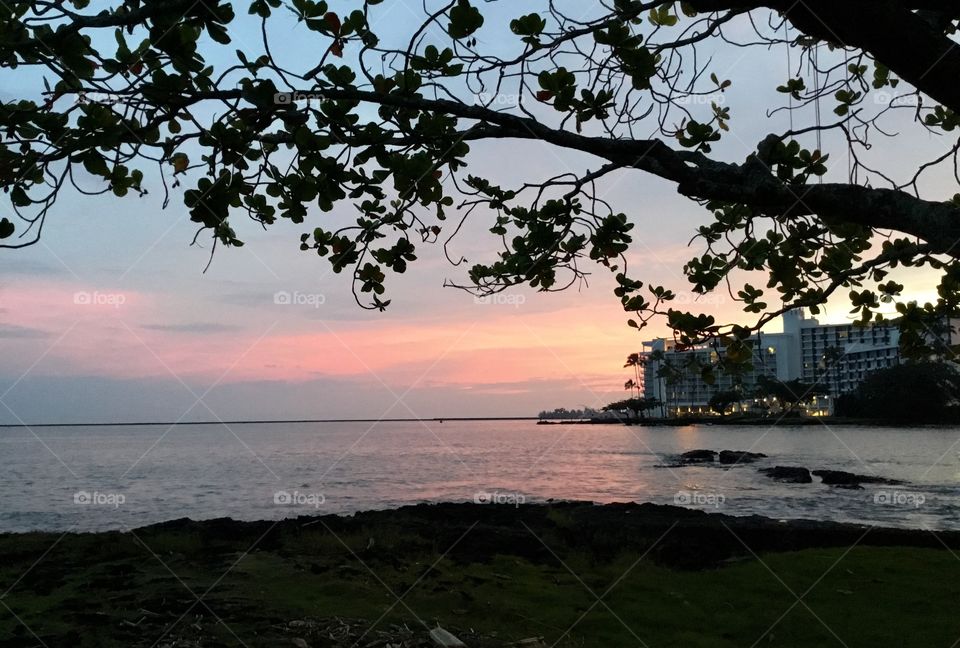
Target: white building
x,y
840,356
836,356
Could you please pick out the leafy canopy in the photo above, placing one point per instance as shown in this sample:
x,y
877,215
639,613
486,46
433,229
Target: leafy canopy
x,y
149,95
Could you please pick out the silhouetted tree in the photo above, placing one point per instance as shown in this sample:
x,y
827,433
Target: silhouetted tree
x,y
636,406
634,361
788,394
385,120
721,401
914,392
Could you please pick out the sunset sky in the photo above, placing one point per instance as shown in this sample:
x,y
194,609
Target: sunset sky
x,y
111,318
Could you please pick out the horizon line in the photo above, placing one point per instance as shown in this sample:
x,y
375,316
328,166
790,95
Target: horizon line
x,y
273,421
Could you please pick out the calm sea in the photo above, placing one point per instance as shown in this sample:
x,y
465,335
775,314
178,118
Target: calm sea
x,y
123,477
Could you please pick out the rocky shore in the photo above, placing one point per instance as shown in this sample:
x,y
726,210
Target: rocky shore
x,y
491,575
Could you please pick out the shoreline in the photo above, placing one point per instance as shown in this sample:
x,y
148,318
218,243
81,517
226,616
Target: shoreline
x,y
784,534
435,419
772,421
646,422
492,574
690,516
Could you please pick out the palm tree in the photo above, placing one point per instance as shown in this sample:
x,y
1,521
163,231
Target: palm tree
x,y
634,360
831,360
657,358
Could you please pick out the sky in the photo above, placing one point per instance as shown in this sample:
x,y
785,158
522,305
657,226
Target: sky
x,y
111,317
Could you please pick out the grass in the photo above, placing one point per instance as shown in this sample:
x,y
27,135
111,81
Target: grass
x,y
125,590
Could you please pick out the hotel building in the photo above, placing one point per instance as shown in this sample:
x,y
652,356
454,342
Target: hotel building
x,y
836,356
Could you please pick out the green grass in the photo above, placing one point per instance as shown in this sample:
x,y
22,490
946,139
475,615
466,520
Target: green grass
x,y
86,587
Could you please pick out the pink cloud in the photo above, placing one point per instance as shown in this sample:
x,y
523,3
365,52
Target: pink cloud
x,y
113,333
73,329
502,349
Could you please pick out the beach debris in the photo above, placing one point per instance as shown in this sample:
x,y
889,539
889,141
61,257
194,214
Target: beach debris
x,y
444,639
337,632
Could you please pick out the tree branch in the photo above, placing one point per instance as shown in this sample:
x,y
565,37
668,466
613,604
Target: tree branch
x,y
697,176
888,29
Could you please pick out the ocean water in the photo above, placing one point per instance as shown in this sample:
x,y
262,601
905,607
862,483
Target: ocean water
x,y
87,479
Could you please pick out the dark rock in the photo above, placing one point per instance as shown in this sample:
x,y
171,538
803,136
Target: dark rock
x,y
850,480
698,456
739,456
792,474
